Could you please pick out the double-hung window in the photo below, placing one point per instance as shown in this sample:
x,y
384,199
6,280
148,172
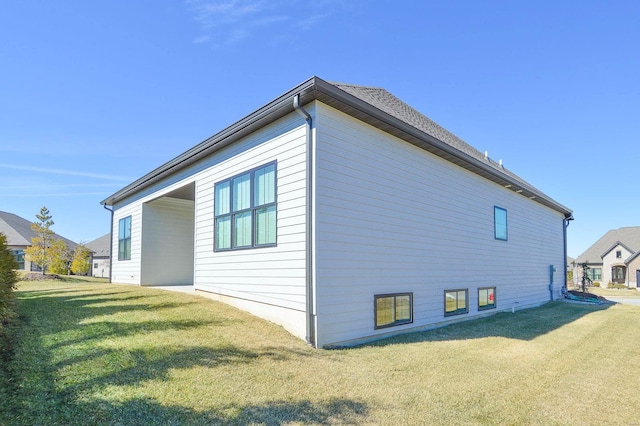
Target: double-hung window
x,y
245,210
124,238
500,223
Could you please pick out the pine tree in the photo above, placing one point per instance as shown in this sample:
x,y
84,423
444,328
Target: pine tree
x,y
40,250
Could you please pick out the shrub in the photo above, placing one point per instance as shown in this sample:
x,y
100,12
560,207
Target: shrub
x,y
596,284
618,286
8,279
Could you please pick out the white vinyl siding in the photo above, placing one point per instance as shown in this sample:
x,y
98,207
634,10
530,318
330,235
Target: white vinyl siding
x,y
270,281
270,275
392,217
167,239
127,271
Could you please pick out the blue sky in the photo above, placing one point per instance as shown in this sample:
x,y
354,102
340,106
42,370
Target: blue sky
x,y
96,94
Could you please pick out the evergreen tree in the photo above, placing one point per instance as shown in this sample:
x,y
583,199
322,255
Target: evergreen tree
x,y
40,250
8,279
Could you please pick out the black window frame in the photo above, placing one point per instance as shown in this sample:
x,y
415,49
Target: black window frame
x,y
495,224
619,254
489,305
252,209
458,311
124,241
594,274
396,321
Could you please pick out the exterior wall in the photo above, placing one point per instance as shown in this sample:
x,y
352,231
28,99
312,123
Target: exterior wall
x,y
391,217
268,282
577,274
609,260
128,271
167,239
632,269
100,267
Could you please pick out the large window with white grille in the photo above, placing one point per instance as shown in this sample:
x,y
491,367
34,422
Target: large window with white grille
x,y
245,210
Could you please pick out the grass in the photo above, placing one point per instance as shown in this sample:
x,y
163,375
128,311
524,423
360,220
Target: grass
x,y
615,292
94,353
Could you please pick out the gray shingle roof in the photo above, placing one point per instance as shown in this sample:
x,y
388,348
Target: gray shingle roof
x,y
19,233
390,104
100,246
628,236
371,105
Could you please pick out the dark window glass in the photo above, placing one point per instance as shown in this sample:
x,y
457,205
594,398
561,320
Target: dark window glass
x,y
245,210
124,238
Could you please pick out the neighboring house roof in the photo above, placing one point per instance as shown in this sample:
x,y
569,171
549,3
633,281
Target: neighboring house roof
x,y
371,105
632,257
616,244
19,233
101,247
628,236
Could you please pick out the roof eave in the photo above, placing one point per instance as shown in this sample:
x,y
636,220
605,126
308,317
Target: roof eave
x,y
318,89
272,111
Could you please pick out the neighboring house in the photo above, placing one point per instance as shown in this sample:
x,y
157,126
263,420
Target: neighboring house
x,y
19,234
101,257
344,215
614,258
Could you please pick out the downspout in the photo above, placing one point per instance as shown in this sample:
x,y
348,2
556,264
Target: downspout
x,y
565,224
310,305
110,243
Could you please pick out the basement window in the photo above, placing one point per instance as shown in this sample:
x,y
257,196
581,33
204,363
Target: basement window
x,y
455,302
393,309
486,298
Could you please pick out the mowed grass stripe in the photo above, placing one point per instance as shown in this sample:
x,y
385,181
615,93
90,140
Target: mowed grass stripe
x,y
94,353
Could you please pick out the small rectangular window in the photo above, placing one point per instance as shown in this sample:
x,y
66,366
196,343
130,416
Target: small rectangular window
x,y
124,238
486,298
393,309
619,254
455,302
245,210
500,223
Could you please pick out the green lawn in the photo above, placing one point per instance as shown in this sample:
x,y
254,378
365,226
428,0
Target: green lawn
x,y
94,353
615,292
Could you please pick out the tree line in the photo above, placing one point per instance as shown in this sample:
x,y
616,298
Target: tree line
x,y
53,255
